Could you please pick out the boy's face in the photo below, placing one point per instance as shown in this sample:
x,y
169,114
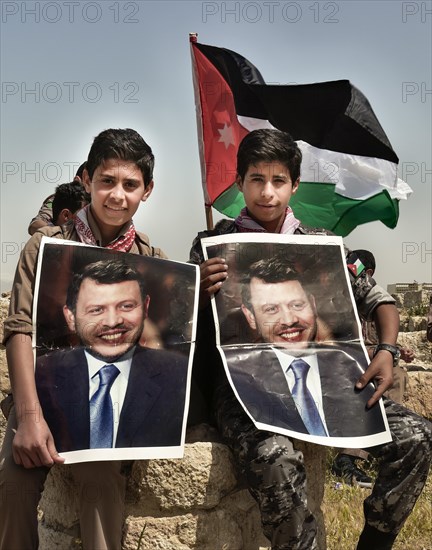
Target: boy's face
x,y
267,190
116,189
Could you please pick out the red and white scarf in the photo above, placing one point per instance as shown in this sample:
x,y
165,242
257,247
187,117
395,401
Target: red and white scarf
x,y
246,224
123,243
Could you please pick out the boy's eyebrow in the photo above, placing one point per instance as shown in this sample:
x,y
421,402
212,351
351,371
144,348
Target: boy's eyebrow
x,y
275,174
114,176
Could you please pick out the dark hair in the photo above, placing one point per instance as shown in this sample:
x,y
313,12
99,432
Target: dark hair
x,y
104,272
68,195
273,270
80,170
124,144
366,258
269,145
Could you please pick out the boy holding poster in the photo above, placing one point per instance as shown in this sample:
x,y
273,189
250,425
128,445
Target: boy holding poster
x,y
268,174
118,176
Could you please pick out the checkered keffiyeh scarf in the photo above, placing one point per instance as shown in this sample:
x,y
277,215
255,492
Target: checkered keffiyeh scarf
x,y
123,243
246,224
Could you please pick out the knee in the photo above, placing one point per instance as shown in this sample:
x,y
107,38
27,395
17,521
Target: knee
x,y
276,461
417,439
18,484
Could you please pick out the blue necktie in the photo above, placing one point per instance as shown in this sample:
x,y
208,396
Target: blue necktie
x,y
304,400
101,409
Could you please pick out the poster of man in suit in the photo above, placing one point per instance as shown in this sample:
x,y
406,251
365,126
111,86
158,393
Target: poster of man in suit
x,y
114,342
290,338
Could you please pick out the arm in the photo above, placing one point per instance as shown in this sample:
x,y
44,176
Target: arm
x,y
374,303
33,444
35,225
380,370
44,216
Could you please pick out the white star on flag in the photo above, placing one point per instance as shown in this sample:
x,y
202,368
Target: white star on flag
x,y
226,136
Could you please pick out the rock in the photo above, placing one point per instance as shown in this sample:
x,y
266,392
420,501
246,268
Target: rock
x,y
199,481
422,349
194,503
412,323
418,396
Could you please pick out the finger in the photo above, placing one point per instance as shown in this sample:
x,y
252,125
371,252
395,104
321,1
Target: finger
x,y
364,379
215,260
17,457
212,283
211,270
25,459
210,264
214,280
207,293
53,452
376,396
43,457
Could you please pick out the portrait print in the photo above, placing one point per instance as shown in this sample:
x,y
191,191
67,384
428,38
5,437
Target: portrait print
x,y
290,338
113,346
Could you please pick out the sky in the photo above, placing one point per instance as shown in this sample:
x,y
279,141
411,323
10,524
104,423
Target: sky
x,y
70,69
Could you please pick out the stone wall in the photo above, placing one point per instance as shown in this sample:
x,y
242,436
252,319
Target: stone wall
x,y
195,503
198,502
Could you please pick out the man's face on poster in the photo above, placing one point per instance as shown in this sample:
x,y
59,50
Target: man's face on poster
x,y
282,313
109,318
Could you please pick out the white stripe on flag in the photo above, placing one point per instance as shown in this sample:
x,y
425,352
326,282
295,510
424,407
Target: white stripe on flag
x,y
354,176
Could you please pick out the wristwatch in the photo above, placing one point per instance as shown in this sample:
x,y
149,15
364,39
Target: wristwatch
x,y
394,350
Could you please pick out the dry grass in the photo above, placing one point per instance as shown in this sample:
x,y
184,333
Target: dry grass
x,y
343,513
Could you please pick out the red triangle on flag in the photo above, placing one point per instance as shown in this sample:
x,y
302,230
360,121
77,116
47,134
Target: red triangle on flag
x,y
222,133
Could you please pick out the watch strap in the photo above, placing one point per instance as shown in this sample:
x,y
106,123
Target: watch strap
x,y
394,350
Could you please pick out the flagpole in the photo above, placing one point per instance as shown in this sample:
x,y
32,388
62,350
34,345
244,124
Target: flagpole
x,y
209,216
193,37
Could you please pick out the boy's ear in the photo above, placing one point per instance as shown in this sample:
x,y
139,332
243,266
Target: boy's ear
x,y
295,186
86,180
64,216
239,182
147,191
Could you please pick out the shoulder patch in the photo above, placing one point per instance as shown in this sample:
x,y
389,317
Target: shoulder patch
x,y
355,265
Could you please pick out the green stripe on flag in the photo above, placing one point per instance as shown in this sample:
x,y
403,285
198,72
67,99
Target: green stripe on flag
x,y
230,202
317,205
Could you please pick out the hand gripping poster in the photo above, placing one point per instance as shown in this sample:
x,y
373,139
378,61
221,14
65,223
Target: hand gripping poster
x,y
113,350
290,339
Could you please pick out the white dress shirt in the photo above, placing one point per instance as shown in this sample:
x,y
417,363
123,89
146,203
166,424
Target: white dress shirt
x,y
313,379
119,387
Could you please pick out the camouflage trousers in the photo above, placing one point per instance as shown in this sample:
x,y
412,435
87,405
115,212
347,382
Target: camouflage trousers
x,y
275,473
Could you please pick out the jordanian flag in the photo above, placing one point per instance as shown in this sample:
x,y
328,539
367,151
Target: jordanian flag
x,y
349,169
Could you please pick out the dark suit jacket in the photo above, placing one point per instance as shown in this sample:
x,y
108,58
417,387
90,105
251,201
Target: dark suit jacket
x,y
263,389
153,408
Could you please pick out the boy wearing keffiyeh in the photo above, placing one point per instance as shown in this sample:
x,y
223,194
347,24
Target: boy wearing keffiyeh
x,y
268,174
118,176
